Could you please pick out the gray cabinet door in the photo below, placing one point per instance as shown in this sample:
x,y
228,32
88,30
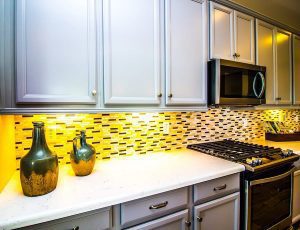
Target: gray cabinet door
x,y
284,67
221,32
176,221
56,51
296,62
185,52
221,213
265,56
296,197
132,51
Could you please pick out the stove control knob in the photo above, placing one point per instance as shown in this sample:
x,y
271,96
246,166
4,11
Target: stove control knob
x,y
287,152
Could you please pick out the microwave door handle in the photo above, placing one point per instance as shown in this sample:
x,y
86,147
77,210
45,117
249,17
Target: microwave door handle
x,y
263,83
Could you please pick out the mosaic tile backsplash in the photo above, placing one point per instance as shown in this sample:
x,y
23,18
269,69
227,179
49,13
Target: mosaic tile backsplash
x,y
119,134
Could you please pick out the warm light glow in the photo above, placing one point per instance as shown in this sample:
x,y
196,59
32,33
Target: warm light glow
x,y
281,37
268,41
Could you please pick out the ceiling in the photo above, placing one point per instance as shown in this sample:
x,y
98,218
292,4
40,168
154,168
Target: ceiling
x,y
287,12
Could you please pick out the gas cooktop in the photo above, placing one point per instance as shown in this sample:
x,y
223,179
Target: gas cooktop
x,y
254,157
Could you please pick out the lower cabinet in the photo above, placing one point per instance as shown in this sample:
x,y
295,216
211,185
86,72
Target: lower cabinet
x,y
94,220
176,221
222,213
296,197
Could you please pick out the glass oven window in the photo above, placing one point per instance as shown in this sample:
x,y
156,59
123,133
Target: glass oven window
x,y
270,203
238,83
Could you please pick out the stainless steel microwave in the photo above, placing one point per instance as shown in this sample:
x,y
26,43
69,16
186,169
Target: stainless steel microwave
x,y
235,83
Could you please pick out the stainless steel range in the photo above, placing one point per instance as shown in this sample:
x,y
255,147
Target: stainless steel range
x,y
266,185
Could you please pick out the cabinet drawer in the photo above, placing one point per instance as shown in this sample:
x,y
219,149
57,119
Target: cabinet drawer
x,y
141,210
214,188
94,220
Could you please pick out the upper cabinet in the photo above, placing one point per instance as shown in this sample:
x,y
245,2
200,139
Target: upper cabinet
x,y
273,50
56,51
284,67
296,68
185,22
132,51
265,56
231,34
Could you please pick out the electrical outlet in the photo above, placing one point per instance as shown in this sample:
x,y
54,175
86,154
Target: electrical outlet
x,y
166,128
244,122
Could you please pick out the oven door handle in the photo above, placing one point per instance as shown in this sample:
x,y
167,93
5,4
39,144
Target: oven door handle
x,y
271,179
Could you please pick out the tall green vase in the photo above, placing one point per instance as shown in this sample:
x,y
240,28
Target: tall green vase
x,y
39,167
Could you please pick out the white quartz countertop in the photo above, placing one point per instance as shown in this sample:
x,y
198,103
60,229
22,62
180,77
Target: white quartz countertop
x,y
112,182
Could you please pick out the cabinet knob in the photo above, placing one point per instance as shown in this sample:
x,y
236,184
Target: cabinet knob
x,y
188,223
278,98
200,219
238,55
75,228
234,55
170,95
94,92
159,95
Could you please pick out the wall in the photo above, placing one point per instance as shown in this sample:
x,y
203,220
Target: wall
x,y
119,134
286,12
7,149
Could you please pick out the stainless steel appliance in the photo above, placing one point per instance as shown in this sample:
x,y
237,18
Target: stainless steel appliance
x,y
266,185
234,83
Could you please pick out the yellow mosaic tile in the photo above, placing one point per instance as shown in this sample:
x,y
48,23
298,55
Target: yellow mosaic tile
x,y
119,134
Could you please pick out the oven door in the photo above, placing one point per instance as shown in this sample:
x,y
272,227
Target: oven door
x,y
269,202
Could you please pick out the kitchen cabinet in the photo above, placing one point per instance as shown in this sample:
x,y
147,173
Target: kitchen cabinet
x,y
149,208
265,56
231,34
222,213
273,50
296,68
185,22
176,221
56,51
132,51
296,197
94,220
284,67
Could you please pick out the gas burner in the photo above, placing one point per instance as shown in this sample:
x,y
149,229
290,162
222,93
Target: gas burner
x,y
253,156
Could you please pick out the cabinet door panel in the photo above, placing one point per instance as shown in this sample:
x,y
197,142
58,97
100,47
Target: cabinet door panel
x,y
131,51
244,37
265,56
174,221
185,56
221,213
296,197
284,73
56,51
296,60
221,32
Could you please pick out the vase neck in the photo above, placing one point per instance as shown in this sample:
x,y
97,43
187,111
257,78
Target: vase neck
x,y
82,138
38,135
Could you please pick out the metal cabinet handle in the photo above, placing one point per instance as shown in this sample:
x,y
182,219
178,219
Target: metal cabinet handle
x,y
158,206
170,95
200,219
94,92
278,98
238,55
75,228
234,55
220,187
159,95
188,223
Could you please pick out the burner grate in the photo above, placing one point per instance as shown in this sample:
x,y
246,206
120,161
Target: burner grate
x,y
234,150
